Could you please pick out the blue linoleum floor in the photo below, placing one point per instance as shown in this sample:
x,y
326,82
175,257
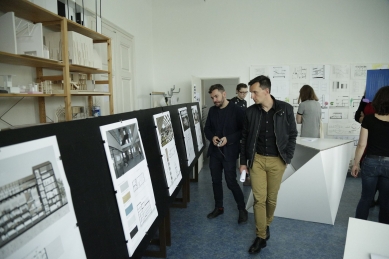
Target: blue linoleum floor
x,y
196,236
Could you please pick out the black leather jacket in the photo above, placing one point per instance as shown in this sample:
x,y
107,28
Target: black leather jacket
x,y
284,127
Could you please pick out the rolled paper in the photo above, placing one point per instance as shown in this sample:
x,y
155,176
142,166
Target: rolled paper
x,y
243,176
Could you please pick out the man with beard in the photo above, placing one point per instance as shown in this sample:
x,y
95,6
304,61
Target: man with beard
x,y
223,129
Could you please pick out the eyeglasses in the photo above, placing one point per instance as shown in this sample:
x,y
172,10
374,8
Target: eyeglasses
x,y
243,92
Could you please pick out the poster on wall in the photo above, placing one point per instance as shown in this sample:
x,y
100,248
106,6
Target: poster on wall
x,y
167,147
196,119
185,126
37,218
338,87
131,179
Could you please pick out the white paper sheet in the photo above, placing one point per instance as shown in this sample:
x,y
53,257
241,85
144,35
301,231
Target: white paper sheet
x,y
131,179
35,198
167,147
196,119
185,126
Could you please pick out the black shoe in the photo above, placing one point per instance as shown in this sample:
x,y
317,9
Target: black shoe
x,y
243,215
267,233
216,212
257,245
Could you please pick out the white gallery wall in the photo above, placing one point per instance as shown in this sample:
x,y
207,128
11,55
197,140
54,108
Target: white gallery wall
x,y
175,39
135,17
223,38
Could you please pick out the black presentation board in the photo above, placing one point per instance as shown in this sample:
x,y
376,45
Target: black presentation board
x,y
87,171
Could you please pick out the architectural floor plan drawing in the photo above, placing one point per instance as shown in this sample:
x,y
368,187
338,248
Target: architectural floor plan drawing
x,y
340,72
131,179
300,72
37,218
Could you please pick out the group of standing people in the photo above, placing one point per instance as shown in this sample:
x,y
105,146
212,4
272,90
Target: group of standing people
x,y
264,137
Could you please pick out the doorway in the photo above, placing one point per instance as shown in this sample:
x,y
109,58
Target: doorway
x,y
200,87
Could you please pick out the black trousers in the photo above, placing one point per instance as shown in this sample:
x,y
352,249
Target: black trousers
x,y
217,165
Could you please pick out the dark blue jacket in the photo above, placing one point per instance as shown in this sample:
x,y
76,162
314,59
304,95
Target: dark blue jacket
x,y
232,130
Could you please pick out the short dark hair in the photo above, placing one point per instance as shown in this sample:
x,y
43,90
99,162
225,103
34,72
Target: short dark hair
x,y
264,82
240,86
381,101
216,87
307,93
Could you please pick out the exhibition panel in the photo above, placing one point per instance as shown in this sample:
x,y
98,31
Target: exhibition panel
x,y
97,155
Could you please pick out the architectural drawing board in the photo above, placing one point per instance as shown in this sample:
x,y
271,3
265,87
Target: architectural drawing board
x,y
168,151
196,119
131,179
185,126
36,209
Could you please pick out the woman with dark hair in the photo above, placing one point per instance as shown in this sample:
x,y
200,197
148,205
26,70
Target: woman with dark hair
x,y
375,167
309,113
365,108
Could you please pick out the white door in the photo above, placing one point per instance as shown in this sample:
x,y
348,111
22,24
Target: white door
x,y
125,72
122,69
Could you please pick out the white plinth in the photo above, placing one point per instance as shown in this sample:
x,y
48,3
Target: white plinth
x,y
366,238
312,185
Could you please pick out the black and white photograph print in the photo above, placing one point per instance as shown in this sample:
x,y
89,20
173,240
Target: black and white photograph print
x,y
125,148
195,114
198,131
165,129
184,119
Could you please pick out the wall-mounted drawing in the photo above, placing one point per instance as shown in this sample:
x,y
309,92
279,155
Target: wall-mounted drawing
x,y
318,72
279,72
340,86
300,72
336,115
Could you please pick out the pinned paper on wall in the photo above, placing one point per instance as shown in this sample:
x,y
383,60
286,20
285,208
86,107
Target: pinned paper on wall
x,y
338,87
197,97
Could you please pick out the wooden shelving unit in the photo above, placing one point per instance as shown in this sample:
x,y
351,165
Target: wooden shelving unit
x,y
36,14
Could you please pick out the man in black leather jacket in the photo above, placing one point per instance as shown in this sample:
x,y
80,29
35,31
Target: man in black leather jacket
x,y
268,144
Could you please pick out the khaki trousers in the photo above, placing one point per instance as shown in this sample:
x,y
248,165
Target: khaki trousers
x,y
266,175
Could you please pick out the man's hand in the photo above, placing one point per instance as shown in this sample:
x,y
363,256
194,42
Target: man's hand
x,y
215,140
224,142
243,167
